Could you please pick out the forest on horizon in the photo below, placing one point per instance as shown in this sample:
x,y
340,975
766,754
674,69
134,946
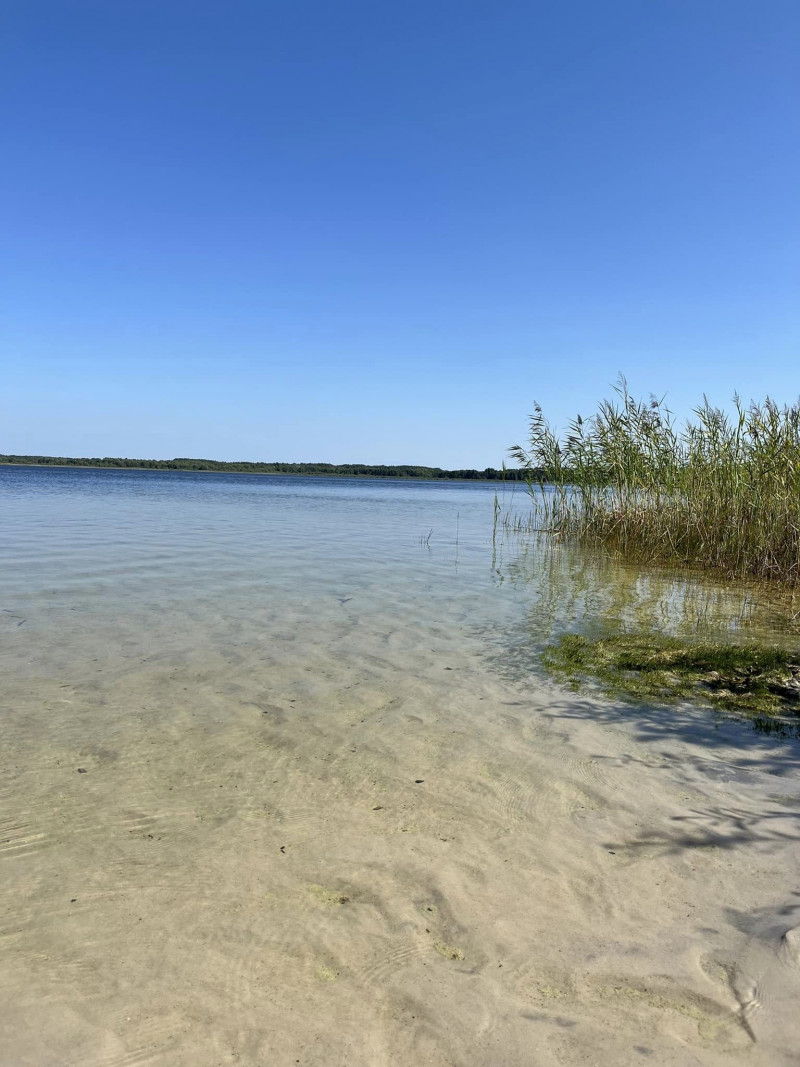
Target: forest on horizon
x,y
342,470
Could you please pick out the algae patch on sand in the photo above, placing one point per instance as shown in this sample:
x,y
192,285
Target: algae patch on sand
x,y
752,679
325,897
450,952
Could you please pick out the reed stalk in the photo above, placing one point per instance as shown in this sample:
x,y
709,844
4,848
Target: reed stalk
x,y
721,492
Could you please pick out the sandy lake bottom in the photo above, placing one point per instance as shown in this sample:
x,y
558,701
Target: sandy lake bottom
x,y
252,819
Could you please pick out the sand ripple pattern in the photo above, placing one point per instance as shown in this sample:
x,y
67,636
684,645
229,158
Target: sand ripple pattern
x,y
265,800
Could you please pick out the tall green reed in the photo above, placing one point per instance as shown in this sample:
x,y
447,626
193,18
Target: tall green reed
x,y
721,491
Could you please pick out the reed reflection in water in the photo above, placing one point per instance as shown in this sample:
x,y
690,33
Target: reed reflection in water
x,y
595,595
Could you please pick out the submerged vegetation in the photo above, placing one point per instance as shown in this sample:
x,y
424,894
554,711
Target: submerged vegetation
x,y
721,492
751,679
654,635
341,470
718,497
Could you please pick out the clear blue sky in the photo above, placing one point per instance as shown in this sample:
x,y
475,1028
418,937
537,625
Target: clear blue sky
x,y
376,232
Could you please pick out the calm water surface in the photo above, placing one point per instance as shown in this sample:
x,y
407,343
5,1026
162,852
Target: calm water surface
x,y
98,562
128,555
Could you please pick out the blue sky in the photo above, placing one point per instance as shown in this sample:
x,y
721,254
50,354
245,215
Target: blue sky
x,y
376,232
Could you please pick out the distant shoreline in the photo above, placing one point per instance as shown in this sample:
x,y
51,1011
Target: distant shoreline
x,y
404,472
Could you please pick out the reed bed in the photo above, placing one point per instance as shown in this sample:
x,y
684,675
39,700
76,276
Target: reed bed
x,y
721,491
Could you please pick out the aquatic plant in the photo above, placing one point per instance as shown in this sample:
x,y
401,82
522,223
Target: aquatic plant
x,y
722,491
752,679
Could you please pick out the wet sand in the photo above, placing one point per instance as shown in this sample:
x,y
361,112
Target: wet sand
x,y
344,839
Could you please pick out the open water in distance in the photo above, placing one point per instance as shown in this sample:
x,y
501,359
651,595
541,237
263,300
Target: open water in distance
x,y
104,561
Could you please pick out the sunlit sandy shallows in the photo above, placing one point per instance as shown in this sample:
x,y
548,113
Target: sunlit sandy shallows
x,y
281,784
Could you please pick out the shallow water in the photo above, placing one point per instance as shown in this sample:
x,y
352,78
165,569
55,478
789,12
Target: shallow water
x,y
115,560
281,784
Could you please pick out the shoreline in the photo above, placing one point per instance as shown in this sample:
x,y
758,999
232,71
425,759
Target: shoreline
x,y
262,474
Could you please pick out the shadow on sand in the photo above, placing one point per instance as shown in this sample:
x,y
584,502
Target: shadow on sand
x,y
698,747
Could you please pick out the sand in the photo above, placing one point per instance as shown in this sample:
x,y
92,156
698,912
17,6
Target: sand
x,y
365,844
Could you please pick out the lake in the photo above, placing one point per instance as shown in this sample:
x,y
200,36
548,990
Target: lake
x,y
282,782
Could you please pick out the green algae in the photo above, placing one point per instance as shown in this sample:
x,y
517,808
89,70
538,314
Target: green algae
x,y
751,679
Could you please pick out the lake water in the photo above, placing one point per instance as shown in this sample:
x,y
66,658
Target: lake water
x,y
282,784
131,561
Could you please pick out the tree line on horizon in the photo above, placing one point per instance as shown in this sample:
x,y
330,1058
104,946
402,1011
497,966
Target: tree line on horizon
x,y
349,470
